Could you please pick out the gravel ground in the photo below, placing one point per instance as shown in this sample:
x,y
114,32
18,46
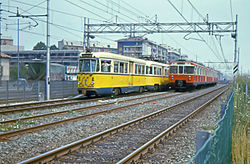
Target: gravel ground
x,y
31,144
114,148
180,147
57,109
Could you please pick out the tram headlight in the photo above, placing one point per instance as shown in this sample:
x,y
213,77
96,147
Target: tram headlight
x,y
172,77
189,78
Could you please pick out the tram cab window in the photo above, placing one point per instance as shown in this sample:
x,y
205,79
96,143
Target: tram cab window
x,y
88,65
180,69
116,67
126,68
173,70
106,65
189,70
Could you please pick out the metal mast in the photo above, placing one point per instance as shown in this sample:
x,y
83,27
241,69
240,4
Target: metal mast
x,y
48,57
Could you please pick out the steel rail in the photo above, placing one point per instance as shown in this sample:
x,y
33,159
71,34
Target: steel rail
x,y
6,135
32,103
76,110
53,103
63,150
152,144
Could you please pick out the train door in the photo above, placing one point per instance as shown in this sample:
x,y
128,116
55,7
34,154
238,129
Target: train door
x,y
131,77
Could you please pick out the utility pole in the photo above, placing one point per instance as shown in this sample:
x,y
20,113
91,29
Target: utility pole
x,y
0,27
48,57
18,57
84,35
48,54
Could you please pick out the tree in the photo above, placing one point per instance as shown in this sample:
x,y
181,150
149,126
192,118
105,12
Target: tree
x,y
40,46
53,47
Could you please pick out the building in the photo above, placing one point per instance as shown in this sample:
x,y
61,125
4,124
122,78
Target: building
x,y
94,46
7,44
4,66
64,57
143,48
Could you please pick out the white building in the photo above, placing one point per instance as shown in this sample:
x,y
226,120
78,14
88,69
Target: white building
x,y
4,67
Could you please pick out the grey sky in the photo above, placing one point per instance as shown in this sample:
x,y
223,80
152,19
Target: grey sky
x,y
218,10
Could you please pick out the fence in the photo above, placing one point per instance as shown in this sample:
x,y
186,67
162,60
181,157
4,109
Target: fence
x,y
218,148
18,91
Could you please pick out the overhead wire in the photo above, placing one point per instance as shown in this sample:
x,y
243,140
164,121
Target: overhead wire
x,y
86,10
231,9
34,6
115,10
57,11
216,55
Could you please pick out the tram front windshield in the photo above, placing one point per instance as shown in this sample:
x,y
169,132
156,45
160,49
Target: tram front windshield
x,y
88,65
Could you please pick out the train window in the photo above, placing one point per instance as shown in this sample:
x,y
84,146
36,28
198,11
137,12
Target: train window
x,y
126,67
121,67
189,70
116,67
173,70
106,65
180,69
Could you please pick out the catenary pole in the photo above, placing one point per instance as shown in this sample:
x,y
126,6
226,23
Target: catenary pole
x,y
18,57
48,57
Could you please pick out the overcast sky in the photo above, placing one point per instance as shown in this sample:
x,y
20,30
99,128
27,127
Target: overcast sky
x,y
69,26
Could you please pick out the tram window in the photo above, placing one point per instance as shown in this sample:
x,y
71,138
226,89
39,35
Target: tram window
x,y
160,71
136,67
180,69
147,69
189,70
126,67
106,64
155,70
98,66
121,67
173,70
116,67
87,65
139,69
150,70
143,69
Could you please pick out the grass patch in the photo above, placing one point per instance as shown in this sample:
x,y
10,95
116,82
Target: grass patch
x,y
16,126
25,114
241,125
211,128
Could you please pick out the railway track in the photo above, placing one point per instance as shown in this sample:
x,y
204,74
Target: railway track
x,y
6,135
79,151
48,104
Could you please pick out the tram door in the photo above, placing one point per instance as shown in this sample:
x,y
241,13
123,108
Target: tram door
x,y
131,70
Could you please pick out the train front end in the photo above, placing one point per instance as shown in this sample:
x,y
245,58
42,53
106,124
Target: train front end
x,y
88,66
181,75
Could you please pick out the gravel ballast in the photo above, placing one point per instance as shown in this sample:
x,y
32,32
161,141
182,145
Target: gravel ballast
x,y
31,144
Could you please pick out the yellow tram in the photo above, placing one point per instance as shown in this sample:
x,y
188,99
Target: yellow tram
x,y
102,73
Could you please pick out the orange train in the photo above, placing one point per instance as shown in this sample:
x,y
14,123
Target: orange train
x,y
185,74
